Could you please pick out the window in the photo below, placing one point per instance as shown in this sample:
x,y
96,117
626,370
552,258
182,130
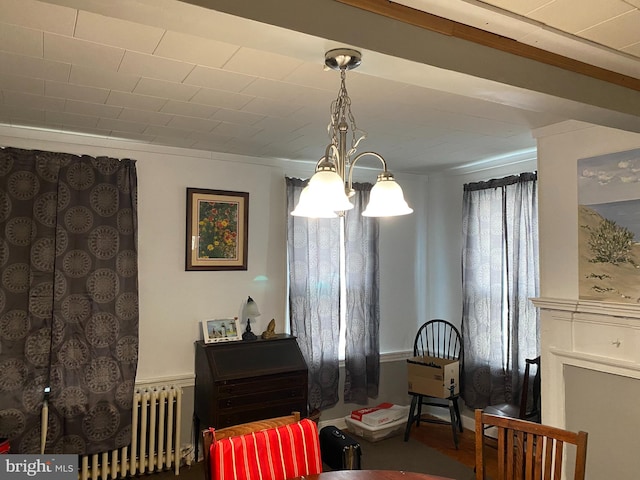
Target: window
x,y
500,325
316,301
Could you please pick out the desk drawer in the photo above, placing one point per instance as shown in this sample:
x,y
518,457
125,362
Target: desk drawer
x,y
262,398
254,385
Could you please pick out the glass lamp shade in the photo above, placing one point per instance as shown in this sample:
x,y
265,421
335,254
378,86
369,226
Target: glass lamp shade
x,y
252,308
327,187
386,200
310,207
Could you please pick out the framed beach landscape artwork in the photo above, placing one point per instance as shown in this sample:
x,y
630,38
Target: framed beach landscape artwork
x,y
217,229
609,227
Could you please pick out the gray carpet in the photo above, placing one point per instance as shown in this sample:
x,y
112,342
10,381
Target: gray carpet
x,y
388,454
412,456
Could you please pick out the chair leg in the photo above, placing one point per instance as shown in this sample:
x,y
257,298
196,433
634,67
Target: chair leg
x,y
457,409
419,416
411,417
454,422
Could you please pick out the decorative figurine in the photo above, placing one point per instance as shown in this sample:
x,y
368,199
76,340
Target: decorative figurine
x,y
270,332
248,334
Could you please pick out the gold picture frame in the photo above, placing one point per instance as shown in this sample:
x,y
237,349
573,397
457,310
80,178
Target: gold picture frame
x,y
221,330
217,230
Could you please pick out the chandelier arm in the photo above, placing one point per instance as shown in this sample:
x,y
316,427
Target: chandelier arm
x,y
358,157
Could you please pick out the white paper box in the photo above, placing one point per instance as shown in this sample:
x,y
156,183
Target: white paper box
x,y
375,434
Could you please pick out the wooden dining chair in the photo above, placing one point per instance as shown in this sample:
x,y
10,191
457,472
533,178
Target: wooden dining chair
x,y
277,448
528,406
436,338
528,450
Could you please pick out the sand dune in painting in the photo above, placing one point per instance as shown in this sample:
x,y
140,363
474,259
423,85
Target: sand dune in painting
x,y
605,281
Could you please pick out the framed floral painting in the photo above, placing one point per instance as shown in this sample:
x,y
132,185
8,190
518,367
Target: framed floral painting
x,y
217,229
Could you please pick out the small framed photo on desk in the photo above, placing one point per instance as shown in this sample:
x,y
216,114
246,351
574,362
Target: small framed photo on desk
x,y
221,330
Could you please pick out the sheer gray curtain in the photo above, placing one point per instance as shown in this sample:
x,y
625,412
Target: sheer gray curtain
x,y
362,347
68,300
313,248
500,325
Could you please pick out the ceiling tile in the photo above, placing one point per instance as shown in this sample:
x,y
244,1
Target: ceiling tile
x,y
121,125
160,131
314,75
265,106
35,67
65,118
220,98
619,32
94,77
191,123
189,48
521,7
117,33
23,41
22,113
154,67
38,102
145,116
132,100
21,84
234,116
161,88
275,89
188,109
39,15
75,92
73,50
225,128
261,64
633,50
572,17
92,109
218,79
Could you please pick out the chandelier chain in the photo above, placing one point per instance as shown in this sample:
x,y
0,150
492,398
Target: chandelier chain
x,y
341,109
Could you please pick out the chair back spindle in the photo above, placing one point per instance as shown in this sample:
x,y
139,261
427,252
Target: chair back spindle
x,y
528,450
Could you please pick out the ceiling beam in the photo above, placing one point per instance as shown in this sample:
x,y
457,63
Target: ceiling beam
x,y
455,29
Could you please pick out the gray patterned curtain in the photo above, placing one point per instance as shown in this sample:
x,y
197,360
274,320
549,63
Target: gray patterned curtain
x,y
500,325
68,300
313,247
362,350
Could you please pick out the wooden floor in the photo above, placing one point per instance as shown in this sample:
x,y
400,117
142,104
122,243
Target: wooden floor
x,y
440,438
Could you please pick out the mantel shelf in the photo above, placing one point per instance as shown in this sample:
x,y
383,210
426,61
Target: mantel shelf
x,y
592,307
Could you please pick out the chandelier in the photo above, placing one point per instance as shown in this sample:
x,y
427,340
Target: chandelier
x,y
329,189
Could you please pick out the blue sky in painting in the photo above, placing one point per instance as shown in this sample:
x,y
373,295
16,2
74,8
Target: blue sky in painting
x,y
610,178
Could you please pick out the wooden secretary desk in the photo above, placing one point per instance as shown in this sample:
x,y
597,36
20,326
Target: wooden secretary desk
x,y
243,381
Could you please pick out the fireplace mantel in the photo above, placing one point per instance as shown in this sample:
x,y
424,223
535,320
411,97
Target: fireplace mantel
x,y
595,335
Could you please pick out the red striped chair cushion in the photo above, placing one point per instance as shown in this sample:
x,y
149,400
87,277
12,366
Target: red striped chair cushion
x,y
273,454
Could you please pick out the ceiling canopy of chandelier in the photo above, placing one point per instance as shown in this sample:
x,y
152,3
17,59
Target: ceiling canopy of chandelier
x,y
329,189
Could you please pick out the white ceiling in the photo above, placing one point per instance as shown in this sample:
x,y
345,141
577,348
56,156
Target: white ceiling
x,y
174,73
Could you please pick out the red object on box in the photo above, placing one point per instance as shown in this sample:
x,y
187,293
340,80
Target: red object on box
x,y
358,414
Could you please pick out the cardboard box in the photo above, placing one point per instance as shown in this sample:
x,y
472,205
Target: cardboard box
x,y
433,376
381,414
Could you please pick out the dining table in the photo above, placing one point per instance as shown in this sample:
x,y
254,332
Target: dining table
x,y
371,475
